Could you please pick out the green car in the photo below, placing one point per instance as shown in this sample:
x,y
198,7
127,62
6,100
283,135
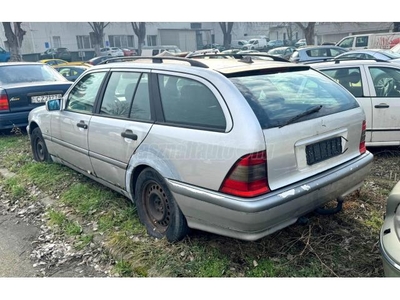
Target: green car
x,y
389,243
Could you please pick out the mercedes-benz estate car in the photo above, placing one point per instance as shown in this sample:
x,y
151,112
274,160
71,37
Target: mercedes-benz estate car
x,y
241,147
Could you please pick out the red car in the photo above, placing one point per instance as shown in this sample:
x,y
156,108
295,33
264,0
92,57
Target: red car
x,y
129,51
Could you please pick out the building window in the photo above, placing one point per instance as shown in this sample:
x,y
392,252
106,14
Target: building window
x,y
56,41
151,40
83,42
195,25
121,41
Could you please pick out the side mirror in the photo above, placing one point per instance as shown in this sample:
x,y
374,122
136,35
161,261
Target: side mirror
x,y
52,105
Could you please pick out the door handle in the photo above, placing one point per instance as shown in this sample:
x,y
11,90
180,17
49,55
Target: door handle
x,y
382,105
129,135
82,124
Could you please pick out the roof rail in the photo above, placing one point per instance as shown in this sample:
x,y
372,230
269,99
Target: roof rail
x,y
236,55
155,59
337,61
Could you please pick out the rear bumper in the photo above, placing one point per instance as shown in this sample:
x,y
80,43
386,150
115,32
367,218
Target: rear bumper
x,y
252,219
13,119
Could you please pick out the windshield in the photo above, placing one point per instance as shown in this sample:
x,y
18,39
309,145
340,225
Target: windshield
x,y
279,98
28,73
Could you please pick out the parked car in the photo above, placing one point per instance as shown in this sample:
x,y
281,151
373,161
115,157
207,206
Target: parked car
x,y
315,53
256,44
129,51
214,46
300,43
389,243
284,52
111,51
274,44
60,53
240,147
53,61
380,54
4,55
376,86
238,44
96,60
156,50
71,72
396,48
24,86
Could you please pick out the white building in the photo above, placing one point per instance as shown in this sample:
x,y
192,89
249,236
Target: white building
x,y
187,36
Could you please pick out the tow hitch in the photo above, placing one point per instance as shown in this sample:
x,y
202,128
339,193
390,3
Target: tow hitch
x,y
331,211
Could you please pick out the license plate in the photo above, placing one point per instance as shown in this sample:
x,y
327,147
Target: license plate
x,y
44,98
323,150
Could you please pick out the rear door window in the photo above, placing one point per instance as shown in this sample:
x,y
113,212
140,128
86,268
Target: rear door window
x,y
279,97
350,78
190,103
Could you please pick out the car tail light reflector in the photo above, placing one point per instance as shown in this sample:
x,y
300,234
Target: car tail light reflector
x,y
248,176
363,147
4,104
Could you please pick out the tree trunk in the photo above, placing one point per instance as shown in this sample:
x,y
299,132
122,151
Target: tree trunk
x,y
139,28
227,32
309,31
14,34
98,35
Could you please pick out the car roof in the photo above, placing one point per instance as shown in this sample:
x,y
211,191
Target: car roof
x,y
319,47
224,66
355,62
19,63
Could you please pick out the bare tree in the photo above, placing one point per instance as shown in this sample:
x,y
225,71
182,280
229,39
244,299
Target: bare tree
x,y
226,28
308,30
139,28
14,34
98,35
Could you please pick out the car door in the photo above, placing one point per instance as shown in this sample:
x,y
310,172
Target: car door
x,y
70,125
121,123
356,81
385,104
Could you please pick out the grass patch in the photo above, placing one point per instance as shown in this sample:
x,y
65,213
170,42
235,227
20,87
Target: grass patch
x,y
343,245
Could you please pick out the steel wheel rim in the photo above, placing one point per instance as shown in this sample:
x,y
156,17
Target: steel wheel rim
x,y
157,206
40,149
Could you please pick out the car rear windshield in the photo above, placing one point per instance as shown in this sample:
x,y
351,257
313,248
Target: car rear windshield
x,y
281,97
28,73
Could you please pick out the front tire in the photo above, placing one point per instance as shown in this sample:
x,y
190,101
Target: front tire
x,y
157,208
39,148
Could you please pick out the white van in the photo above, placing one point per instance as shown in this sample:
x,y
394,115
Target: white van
x,y
256,44
154,50
238,44
370,41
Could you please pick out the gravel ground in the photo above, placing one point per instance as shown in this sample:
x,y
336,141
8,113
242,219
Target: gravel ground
x,y
30,248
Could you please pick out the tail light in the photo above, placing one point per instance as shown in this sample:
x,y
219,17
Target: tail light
x,y
362,147
248,176
4,104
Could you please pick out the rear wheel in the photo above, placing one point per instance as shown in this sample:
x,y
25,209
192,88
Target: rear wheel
x,y
39,148
157,208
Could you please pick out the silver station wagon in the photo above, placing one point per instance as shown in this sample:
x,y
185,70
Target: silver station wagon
x,y
241,146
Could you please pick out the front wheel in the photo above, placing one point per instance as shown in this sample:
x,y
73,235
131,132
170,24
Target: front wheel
x,y
157,208
39,148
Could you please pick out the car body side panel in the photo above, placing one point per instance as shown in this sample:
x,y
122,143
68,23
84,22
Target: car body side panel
x,y
110,153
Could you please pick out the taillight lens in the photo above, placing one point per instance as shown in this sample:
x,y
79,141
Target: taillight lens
x,y
248,176
362,147
4,104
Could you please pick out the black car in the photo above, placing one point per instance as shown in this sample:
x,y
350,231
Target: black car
x,y
61,53
24,86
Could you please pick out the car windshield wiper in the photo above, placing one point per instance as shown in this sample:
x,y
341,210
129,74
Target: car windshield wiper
x,y
309,111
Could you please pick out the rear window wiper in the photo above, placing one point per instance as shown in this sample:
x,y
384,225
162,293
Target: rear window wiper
x,y
309,111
